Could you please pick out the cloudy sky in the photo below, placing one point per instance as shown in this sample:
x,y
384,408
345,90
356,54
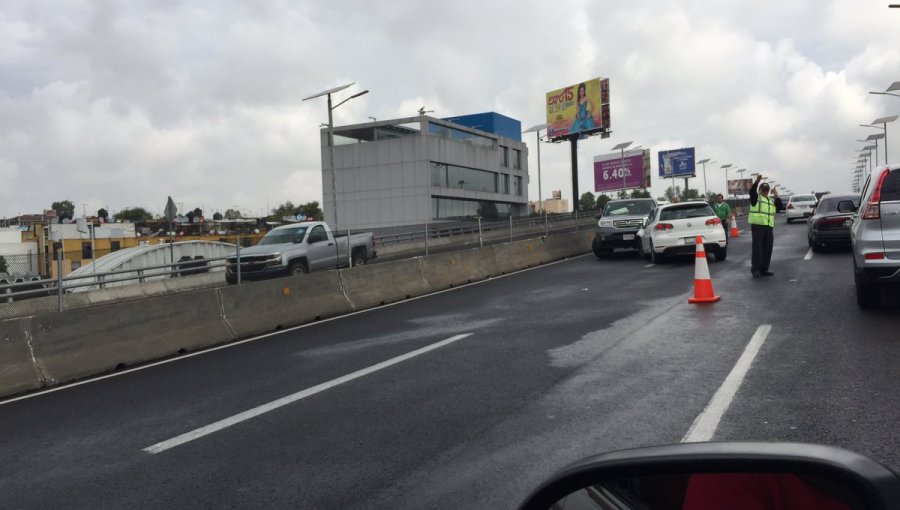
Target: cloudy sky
x,y
119,104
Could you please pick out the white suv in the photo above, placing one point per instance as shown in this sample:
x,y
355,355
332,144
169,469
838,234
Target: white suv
x,y
800,207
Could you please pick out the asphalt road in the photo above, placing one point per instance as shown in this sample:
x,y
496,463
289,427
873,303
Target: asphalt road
x,y
561,362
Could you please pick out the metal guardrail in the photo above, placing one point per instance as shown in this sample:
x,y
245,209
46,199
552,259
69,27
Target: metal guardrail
x,y
434,231
62,286
10,292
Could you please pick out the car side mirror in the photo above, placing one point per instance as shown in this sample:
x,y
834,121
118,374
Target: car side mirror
x,y
721,475
846,206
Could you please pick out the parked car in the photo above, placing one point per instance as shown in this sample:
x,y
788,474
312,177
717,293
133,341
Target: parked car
x,y
619,222
828,226
300,248
672,230
875,235
800,206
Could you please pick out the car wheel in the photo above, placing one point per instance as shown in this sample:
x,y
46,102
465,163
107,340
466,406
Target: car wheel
x,y
642,251
788,221
816,247
597,248
359,259
656,258
868,294
721,253
297,268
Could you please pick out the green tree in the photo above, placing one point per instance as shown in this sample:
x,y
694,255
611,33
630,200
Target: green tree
x,y
587,202
286,209
640,193
232,214
690,194
133,214
673,193
602,200
312,210
65,206
217,216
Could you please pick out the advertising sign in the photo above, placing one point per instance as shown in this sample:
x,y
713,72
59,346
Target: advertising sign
x,y
739,186
612,172
578,110
677,163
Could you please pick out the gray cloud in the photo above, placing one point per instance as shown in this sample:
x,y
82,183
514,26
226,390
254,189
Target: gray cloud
x,y
122,103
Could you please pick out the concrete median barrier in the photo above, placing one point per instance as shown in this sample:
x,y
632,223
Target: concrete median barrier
x,y
558,247
378,284
458,268
78,343
523,254
260,307
18,372
583,240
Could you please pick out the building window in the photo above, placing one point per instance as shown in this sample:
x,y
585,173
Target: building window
x,y
86,252
517,186
517,159
454,208
504,184
115,246
458,177
504,156
459,135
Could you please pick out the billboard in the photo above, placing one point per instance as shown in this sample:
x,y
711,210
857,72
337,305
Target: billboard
x,y
677,163
578,110
739,186
612,172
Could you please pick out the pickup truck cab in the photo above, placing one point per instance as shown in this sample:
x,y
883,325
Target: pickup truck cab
x,y
299,248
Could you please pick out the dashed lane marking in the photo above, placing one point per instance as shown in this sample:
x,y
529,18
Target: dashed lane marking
x,y
705,425
283,401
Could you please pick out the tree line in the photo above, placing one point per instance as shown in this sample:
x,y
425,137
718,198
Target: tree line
x,y
66,209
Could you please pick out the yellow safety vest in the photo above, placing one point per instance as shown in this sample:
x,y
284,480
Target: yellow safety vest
x,y
763,213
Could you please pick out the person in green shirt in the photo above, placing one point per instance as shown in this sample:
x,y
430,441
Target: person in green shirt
x,y
723,211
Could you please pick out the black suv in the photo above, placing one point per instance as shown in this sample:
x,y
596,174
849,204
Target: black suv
x,y
619,222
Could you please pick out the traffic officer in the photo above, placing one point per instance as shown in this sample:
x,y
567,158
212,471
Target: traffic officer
x,y
723,211
762,226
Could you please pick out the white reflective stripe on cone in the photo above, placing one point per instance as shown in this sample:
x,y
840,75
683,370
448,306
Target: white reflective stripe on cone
x,y
701,268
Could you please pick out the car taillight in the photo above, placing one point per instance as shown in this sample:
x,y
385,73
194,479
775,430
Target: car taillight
x,y
874,256
872,210
831,221
713,222
664,226
790,206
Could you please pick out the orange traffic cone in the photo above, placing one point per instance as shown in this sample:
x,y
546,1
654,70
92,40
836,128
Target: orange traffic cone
x,y
734,230
703,287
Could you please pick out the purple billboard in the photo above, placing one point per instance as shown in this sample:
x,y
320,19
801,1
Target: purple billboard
x,y
613,173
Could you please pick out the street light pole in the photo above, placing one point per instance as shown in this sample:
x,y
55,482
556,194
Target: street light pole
x,y
705,187
726,167
331,165
537,131
621,147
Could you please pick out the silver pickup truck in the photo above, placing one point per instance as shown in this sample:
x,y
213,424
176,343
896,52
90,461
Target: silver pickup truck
x,y
300,248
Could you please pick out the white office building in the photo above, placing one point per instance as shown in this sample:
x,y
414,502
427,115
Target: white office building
x,y
425,170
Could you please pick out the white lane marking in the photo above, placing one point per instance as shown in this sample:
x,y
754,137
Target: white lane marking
x,y
650,265
705,425
809,255
283,401
280,332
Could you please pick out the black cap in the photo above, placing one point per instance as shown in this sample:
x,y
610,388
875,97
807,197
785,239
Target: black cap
x,y
764,185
